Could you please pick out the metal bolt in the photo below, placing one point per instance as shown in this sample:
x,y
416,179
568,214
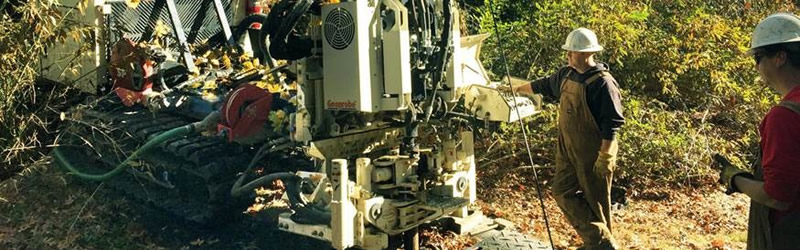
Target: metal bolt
x,y
461,184
375,212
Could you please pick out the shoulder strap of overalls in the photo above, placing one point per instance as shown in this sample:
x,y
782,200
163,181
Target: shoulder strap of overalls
x,y
590,80
794,106
566,77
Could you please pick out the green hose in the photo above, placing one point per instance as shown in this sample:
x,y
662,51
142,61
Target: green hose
x,y
172,133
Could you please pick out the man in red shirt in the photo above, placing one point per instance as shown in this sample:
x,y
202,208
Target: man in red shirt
x,y
774,187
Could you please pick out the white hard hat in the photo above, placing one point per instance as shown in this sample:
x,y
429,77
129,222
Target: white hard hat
x,y
582,40
775,29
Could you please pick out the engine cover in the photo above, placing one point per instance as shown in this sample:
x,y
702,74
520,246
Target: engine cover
x,y
350,57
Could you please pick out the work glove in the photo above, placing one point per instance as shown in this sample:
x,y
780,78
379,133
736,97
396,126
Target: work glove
x,y
504,88
727,172
605,163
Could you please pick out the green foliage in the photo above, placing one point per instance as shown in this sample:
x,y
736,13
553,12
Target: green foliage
x,y
688,88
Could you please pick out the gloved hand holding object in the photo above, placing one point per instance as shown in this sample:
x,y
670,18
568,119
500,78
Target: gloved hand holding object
x,y
605,163
518,83
504,88
727,172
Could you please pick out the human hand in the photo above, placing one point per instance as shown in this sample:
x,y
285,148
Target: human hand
x,y
605,163
504,88
727,172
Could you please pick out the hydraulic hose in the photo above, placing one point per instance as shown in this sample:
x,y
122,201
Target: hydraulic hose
x,y
307,212
265,180
285,44
239,187
172,133
440,59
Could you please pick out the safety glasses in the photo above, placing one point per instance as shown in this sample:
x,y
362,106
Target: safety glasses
x,y
771,50
757,56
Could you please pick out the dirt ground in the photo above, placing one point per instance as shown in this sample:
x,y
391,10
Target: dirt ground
x,y
673,218
44,208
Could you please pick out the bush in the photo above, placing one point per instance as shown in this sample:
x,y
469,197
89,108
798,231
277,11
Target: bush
x,y
688,89
28,108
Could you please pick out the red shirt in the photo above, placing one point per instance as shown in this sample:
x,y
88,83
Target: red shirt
x,y
780,152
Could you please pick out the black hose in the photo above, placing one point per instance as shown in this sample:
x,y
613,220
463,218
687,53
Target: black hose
x,y
284,43
310,213
293,184
292,181
259,43
440,60
265,180
239,187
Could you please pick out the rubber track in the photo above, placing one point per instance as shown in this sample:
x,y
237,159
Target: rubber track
x,y
202,168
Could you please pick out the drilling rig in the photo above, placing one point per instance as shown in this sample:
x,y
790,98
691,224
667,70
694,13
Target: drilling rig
x,y
371,127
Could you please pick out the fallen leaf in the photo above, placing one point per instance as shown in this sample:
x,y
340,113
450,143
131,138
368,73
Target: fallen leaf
x,y
718,243
132,3
161,29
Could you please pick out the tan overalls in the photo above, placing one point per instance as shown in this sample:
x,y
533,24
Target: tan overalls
x,y
578,146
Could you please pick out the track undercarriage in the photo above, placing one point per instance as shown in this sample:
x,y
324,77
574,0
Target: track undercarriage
x,y
189,177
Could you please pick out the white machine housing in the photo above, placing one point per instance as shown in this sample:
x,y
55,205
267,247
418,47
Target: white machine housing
x,y
357,77
489,104
364,216
366,69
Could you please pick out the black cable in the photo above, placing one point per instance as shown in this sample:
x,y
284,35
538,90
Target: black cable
x,y
440,59
521,124
285,43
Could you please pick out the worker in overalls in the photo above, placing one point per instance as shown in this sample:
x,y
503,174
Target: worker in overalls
x,y
589,117
774,185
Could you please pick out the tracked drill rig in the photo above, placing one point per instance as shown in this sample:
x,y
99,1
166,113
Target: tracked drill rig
x,y
373,138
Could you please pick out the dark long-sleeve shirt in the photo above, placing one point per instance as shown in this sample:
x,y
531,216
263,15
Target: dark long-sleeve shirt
x,y
602,96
